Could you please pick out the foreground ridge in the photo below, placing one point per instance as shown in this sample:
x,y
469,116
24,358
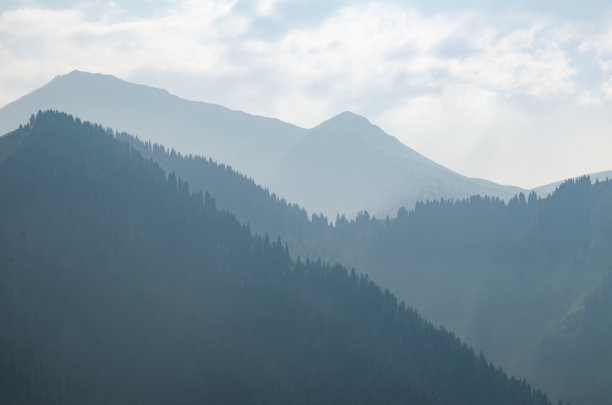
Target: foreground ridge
x,y
120,286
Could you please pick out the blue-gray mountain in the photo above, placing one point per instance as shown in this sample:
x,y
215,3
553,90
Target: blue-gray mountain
x,y
249,143
344,165
546,189
502,276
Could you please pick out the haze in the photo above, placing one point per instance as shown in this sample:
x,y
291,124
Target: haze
x,y
280,201
516,95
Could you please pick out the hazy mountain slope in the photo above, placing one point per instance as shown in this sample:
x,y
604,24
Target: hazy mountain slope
x,y
498,275
233,191
575,357
250,144
546,189
125,288
346,165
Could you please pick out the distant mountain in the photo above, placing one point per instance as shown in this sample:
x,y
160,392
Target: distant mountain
x,y
119,286
251,144
343,166
546,189
352,165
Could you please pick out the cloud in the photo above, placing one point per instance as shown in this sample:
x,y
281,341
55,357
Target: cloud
x,y
267,8
191,38
455,85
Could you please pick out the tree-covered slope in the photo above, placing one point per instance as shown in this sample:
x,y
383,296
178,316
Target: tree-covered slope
x,y
546,189
119,286
263,211
500,275
575,357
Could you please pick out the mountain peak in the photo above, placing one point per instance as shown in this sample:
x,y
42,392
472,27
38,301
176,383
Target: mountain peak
x,y
77,72
98,83
348,115
82,75
347,118
345,123
74,73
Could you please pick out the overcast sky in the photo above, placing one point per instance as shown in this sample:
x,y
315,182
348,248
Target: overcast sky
x,y
517,94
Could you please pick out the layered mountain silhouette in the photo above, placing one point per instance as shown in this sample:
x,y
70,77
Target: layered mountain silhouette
x,y
501,276
342,166
251,144
546,189
346,165
120,286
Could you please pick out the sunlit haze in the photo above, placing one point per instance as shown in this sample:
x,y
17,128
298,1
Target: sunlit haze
x,y
520,96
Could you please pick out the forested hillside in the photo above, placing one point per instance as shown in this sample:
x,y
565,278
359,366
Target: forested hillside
x,y
500,275
262,210
575,356
119,286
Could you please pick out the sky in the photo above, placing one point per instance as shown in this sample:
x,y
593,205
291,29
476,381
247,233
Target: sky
x,y
518,94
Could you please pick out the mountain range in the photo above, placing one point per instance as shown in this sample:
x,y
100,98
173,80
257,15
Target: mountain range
x,y
249,143
341,166
546,189
522,280
503,276
118,285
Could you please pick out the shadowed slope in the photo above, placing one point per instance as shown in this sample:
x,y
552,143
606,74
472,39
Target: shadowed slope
x,y
125,288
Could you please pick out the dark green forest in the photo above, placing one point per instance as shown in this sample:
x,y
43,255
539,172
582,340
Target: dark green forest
x,y
501,275
118,285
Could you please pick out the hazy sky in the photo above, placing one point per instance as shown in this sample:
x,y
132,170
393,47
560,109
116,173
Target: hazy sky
x,y
517,94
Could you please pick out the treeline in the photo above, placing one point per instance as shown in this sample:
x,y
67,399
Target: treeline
x,y
262,210
120,286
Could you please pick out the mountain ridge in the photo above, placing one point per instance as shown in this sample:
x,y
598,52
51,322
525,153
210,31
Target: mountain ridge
x,y
536,246
128,288
546,189
356,166
254,145
263,148
249,143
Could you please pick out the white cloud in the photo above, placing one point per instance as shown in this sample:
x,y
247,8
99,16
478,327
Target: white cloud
x,y
607,90
267,8
192,39
588,98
